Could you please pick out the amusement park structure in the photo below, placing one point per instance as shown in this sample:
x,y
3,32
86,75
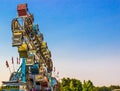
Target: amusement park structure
x,y
35,71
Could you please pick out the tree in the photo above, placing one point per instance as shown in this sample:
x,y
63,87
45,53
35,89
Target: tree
x,y
75,85
65,82
66,88
71,85
112,87
103,88
65,85
68,84
87,86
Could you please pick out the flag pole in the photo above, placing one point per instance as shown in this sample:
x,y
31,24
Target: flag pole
x,y
13,64
8,66
10,70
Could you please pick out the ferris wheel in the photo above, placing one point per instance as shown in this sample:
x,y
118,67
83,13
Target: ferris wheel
x,y
35,71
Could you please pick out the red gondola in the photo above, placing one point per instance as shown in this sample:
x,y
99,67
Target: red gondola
x,y
22,9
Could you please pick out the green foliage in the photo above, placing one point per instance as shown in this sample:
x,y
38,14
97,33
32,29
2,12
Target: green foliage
x,y
68,84
114,87
0,89
71,85
87,86
103,88
75,85
66,88
65,82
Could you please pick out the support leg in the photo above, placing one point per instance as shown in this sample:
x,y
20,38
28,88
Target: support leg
x,y
23,70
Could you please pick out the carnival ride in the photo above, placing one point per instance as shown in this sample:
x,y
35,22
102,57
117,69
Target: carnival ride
x,y
35,71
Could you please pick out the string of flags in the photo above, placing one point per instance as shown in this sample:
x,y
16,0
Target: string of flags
x,y
17,62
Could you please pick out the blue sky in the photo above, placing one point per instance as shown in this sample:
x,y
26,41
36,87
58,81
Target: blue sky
x,y
83,36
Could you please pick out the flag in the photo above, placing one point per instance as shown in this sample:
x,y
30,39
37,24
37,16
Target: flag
x,y
54,69
12,60
57,73
17,60
7,64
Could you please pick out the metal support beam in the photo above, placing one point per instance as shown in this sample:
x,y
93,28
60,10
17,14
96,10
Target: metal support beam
x,y
23,69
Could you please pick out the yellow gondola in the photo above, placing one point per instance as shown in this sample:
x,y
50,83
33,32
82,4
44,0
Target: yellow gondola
x,y
40,37
43,45
50,65
17,38
30,60
23,50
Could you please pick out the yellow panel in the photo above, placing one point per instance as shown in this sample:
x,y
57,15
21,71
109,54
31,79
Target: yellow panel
x,y
23,54
23,47
45,53
17,33
43,45
43,50
30,60
49,52
38,77
10,88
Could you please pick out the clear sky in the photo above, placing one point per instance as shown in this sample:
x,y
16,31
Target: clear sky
x,y
83,36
